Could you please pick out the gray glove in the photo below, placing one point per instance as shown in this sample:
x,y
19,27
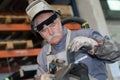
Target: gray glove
x,y
46,76
80,42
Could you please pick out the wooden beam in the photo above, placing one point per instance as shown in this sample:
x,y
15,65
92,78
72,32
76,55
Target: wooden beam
x,y
15,27
19,53
6,69
9,18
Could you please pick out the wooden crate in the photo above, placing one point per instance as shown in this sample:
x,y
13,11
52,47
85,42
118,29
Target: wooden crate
x,y
16,44
14,19
66,10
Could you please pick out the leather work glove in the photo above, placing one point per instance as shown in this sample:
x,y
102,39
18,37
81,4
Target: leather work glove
x,y
82,42
46,76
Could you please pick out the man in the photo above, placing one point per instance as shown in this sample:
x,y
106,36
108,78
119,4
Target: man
x,y
46,21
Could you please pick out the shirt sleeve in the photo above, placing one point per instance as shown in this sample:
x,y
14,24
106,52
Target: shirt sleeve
x,y
41,60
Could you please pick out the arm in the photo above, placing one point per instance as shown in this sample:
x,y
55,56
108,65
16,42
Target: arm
x,y
41,63
96,45
42,71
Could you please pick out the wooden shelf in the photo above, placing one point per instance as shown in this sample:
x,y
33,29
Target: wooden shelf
x,y
66,10
12,44
6,69
19,53
15,27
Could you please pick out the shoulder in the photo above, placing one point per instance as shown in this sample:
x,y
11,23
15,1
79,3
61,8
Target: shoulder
x,y
84,32
90,33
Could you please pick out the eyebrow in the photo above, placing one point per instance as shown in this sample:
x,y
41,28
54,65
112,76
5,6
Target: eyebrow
x,y
46,22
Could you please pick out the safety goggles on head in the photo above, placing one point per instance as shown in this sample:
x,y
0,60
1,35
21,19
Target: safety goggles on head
x,y
46,22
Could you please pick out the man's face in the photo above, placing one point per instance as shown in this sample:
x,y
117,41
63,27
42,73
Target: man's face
x,y
51,32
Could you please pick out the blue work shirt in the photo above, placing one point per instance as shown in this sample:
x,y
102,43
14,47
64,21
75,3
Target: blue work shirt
x,y
96,67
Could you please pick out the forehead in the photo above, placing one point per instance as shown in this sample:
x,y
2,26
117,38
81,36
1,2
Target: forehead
x,y
42,17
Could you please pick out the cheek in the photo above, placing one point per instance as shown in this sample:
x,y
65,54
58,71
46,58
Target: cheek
x,y
58,28
45,35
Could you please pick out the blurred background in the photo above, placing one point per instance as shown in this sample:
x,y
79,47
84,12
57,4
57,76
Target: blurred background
x,y
19,46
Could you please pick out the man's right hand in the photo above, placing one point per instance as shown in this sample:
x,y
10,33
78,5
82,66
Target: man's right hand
x,y
79,42
46,76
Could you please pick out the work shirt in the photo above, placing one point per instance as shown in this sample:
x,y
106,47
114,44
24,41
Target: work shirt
x,y
96,67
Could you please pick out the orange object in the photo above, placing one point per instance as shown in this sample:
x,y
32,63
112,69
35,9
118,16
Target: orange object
x,y
15,27
19,53
73,26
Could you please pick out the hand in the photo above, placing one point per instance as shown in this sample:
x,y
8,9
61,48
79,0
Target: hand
x,y
46,76
82,42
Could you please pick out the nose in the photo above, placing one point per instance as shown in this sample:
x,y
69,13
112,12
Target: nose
x,y
50,30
